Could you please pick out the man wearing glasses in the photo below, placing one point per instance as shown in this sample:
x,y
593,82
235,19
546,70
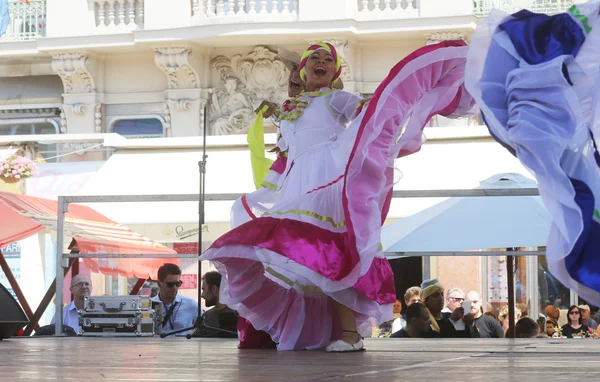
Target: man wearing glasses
x,y
454,300
178,311
81,286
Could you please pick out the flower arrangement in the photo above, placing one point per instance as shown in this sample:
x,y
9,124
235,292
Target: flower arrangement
x,y
15,168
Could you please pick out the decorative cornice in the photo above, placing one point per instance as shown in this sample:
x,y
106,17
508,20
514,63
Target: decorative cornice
x,y
444,36
74,72
175,62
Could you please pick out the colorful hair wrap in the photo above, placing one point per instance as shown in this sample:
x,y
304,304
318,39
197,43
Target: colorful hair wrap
x,y
313,48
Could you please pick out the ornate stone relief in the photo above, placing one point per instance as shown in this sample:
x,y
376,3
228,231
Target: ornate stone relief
x,y
175,62
98,118
437,37
74,72
63,121
246,81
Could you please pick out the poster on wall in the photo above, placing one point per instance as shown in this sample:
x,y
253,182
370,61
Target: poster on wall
x,y
497,279
12,254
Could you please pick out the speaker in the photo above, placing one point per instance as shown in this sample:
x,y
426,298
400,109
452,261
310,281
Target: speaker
x,y
12,317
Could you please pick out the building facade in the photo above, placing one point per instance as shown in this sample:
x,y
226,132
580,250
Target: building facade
x,y
74,72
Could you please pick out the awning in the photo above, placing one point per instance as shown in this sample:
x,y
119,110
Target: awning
x,y
170,170
23,216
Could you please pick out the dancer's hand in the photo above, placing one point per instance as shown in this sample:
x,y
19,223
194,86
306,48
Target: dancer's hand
x,y
457,314
271,107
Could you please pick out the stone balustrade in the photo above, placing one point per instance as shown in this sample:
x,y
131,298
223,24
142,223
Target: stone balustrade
x,y
27,22
256,9
482,8
391,8
119,14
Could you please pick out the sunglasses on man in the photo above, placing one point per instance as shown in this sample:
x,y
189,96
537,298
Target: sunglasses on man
x,y
172,284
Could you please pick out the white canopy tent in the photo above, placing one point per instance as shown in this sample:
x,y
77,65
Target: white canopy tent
x,y
462,224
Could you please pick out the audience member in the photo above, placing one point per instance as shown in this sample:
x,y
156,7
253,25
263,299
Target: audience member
x,y
178,311
503,317
524,310
418,322
575,327
454,299
551,328
219,316
526,328
81,286
411,296
481,325
585,316
442,324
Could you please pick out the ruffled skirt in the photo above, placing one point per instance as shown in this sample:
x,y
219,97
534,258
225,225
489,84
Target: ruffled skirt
x,y
288,258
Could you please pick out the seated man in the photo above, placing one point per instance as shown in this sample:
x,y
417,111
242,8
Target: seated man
x,y
418,321
219,316
81,286
178,311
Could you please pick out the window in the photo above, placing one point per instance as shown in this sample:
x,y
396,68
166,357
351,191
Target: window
x,y
139,128
43,127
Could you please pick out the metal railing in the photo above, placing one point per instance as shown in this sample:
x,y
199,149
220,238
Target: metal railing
x,y
482,8
27,22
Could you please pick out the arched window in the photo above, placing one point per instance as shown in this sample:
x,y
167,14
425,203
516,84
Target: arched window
x,y
34,127
139,128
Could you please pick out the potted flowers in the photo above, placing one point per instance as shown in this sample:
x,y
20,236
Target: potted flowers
x,y
15,168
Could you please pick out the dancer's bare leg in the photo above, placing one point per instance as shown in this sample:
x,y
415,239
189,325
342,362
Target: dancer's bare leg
x,y
347,320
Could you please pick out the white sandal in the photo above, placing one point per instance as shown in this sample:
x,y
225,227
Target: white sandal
x,y
340,346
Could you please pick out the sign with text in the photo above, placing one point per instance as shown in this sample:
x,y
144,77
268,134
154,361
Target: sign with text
x,y
12,254
190,281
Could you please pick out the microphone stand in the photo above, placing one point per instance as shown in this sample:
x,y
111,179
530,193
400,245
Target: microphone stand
x,y
199,324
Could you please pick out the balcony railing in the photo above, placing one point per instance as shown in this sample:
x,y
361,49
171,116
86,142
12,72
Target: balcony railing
x,y
27,22
118,15
484,7
241,10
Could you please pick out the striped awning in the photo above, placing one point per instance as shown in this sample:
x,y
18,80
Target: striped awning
x,y
22,216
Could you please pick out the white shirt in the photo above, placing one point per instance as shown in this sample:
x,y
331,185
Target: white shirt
x,y
70,317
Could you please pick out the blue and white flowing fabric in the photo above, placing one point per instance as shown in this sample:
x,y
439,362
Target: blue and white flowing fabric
x,y
4,16
535,78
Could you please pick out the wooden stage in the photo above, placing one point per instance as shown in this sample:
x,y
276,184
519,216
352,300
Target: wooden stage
x,y
178,359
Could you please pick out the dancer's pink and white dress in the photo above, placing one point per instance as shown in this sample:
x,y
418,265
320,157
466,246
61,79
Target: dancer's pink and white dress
x,y
313,234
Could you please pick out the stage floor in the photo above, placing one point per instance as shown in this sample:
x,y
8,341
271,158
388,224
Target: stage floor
x,y
170,360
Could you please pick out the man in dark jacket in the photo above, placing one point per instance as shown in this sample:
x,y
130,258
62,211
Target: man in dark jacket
x,y
481,325
417,322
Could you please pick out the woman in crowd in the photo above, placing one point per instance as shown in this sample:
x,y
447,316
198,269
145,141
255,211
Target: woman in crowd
x,y
575,327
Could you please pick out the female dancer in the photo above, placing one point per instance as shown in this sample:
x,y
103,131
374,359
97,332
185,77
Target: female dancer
x,y
304,262
536,78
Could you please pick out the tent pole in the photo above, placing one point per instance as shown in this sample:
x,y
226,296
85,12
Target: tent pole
x,y
44,303
63,207
510,267
201,195
16,288
137,287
